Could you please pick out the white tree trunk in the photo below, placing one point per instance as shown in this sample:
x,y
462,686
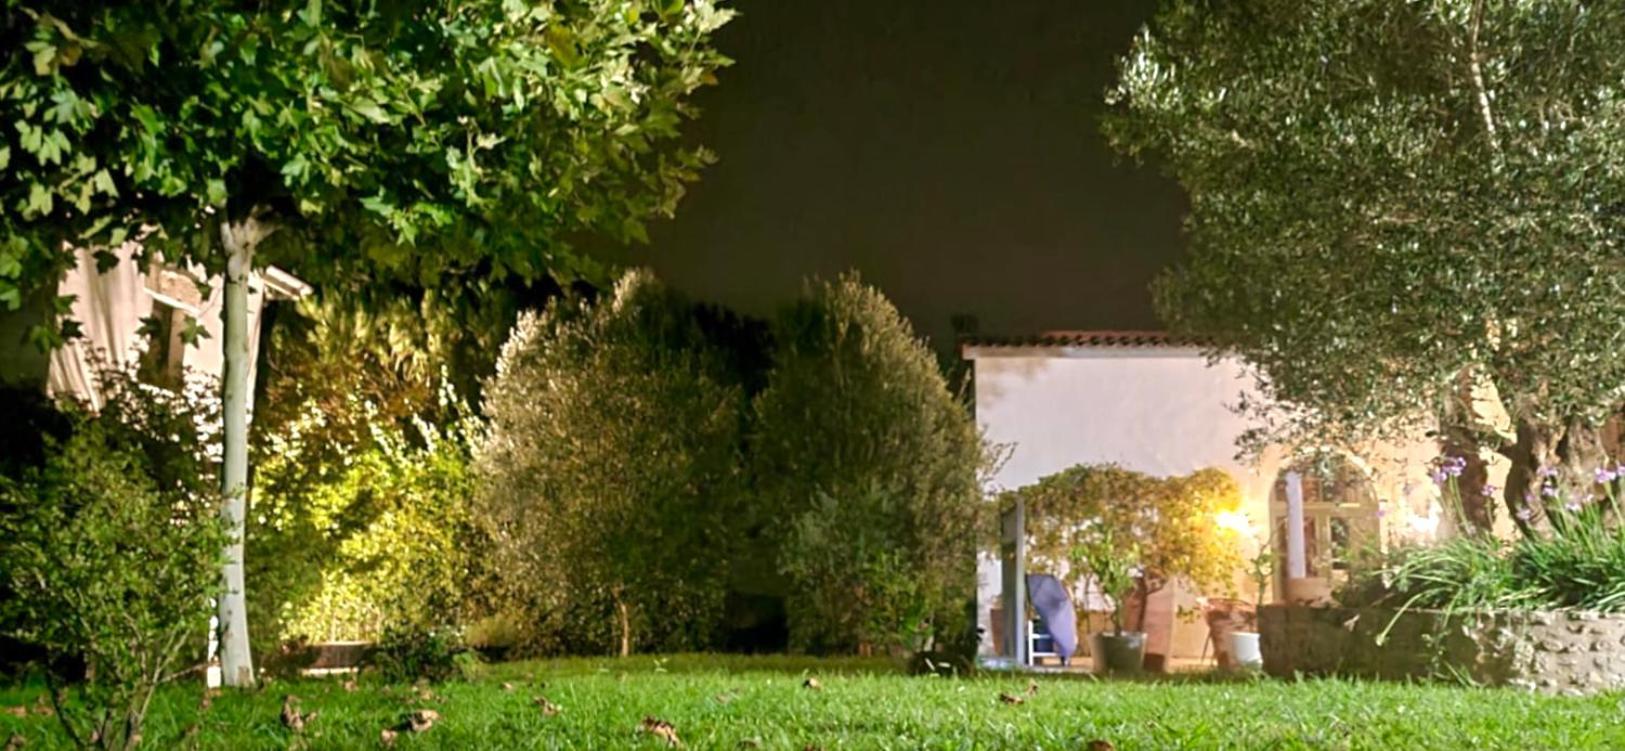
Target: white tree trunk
x,y
238,239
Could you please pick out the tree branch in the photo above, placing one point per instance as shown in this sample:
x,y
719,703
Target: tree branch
x,y
1475,66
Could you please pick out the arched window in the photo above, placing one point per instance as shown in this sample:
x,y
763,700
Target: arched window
x,y
1340,514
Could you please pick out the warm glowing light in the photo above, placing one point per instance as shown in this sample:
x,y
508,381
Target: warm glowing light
x,y
1234,520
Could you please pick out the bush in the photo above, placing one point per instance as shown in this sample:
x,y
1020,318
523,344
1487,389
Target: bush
x,y
379,538
867,474
111,549
612,480
405,654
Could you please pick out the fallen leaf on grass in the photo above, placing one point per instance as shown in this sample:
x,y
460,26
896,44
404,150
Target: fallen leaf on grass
x,y
507,687
422,720
349,685
1032,687
15,742
17,711
750,743
661,729
387,737
725,697
292,718
1010,699
1100,745
812,683
549,709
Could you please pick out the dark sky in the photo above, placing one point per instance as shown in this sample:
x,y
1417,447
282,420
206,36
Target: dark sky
x,y
949,150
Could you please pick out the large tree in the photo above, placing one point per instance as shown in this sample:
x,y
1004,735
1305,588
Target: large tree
x,y
431,140
1395,203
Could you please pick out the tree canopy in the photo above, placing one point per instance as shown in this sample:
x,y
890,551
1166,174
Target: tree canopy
x,y
1393,203
417,139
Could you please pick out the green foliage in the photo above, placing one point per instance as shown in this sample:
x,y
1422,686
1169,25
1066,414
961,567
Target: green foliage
x,y
405,654
110,550
422,141
612,483
842,554
1391,200
1113,565
1168,526
348,543
859,449
1579,564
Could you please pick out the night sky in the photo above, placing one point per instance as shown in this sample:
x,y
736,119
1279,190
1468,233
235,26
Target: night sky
x,y
949,150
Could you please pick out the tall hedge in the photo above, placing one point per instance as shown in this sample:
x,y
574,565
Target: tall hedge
x,y
611,472
867,469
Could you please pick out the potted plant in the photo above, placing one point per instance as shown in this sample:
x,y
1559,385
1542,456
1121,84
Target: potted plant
x,y
1114,566
1245,647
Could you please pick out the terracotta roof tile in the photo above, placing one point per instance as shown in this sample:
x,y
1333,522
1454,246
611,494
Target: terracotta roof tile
x,y
1105,339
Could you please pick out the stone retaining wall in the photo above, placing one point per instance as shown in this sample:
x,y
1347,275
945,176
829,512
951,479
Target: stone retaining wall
x,y
1560,652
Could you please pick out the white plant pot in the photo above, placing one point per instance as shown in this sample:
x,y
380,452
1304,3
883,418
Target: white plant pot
x,y
1245,649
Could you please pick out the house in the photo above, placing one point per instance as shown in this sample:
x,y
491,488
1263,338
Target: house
x,y
141,318
1157,404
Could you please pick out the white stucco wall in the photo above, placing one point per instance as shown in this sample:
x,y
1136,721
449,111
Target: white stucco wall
x,y
1156,409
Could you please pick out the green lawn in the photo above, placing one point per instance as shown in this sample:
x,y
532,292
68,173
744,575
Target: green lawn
x,y
734,702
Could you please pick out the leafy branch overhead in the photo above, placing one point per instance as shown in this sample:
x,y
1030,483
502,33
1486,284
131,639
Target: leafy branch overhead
x,y
416,139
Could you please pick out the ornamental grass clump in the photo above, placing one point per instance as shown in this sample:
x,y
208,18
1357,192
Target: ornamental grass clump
x,y
1578,564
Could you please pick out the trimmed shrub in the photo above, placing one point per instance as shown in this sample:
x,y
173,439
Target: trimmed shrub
x,y
867,471
612,480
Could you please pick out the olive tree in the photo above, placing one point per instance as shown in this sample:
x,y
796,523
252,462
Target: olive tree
x,y
868,471
431,140
611,472
1396,204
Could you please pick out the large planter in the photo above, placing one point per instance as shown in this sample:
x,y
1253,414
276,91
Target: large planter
x,y
1246,650
1313,591
1573,652
1118,653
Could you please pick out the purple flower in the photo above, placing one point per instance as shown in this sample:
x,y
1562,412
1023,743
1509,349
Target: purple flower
x,y
1549,491
1572,507
1547,472
1438,476
1525,514
1606,475
1490,490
